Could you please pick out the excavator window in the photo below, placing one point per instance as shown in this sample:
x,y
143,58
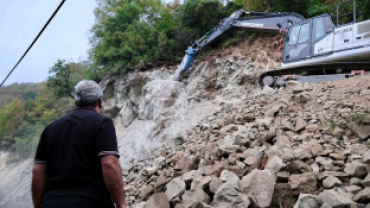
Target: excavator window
x,y
319,28
298,42
293,37
304,33
299,34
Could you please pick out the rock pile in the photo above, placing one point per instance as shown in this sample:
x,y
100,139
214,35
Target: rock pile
x,y
302,146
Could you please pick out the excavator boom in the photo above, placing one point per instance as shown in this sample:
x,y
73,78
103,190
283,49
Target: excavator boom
x,y
278,21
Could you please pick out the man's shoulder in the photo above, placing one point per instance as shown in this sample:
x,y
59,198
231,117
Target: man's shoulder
x,y
61,119
89,116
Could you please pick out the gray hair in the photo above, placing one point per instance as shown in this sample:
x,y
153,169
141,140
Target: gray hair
x,y
87,93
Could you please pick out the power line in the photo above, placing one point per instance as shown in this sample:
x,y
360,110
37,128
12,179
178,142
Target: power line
x,y
5,10
16,32
34,41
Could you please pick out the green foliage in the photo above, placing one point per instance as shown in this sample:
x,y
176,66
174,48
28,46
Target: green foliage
x,y
64,76
22,91
360,118
22,121
201,16
330,125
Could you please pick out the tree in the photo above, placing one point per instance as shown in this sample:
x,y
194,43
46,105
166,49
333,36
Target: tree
x,y
64,76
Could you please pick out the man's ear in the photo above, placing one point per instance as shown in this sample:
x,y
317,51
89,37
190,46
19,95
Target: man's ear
x,y
100,104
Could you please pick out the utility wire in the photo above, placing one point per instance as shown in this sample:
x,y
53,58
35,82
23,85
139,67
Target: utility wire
x,y
5,10
34,41
16,32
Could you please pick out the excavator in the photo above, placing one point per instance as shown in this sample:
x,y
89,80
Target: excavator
x,y
314,50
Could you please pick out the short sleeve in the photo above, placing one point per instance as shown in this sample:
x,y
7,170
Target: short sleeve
x,y
41,152
106,139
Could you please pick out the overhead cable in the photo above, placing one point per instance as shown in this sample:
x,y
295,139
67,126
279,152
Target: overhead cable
x,y
5,10
29,9
34,41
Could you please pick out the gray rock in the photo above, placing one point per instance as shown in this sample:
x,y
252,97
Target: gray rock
x,y
327,163
362,132
366,181
259,184
227,196
175,188
198,195
308,201
215,184
303,167
335,199
306,181
340,175
300,124
312,128
231,178
191,176
331,181
283,141
283,176
355,170
275,164
158,200
354,189
367,157
201,182
363,196
127,113
355,181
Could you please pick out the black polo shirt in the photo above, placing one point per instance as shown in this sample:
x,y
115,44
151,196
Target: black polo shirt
x,y
71,146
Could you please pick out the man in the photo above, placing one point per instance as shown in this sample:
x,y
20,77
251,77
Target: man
x,y
76,163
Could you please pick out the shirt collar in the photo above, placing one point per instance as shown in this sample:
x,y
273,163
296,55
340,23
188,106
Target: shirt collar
x,y
84,109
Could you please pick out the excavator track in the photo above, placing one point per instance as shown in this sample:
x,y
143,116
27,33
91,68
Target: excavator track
x,y
312,73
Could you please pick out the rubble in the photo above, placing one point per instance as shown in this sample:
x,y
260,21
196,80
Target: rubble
x,y
264,152
302,145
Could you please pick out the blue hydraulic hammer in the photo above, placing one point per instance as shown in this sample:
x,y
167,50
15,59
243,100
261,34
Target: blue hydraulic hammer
x,y
185,65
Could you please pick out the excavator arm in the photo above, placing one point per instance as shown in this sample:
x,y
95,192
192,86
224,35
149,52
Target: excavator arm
x,y
256,21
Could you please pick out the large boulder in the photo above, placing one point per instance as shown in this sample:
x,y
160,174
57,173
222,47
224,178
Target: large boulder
x,y
259,185
175,188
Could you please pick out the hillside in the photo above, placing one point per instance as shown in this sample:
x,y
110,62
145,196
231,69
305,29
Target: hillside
x,y
21,91
218,140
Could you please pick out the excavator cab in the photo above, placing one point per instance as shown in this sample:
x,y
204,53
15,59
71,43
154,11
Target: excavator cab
x,y
302,37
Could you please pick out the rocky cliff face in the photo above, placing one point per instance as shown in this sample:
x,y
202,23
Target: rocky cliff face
x,y
217,140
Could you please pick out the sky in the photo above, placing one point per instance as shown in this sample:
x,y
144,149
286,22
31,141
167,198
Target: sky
x,y
66,37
